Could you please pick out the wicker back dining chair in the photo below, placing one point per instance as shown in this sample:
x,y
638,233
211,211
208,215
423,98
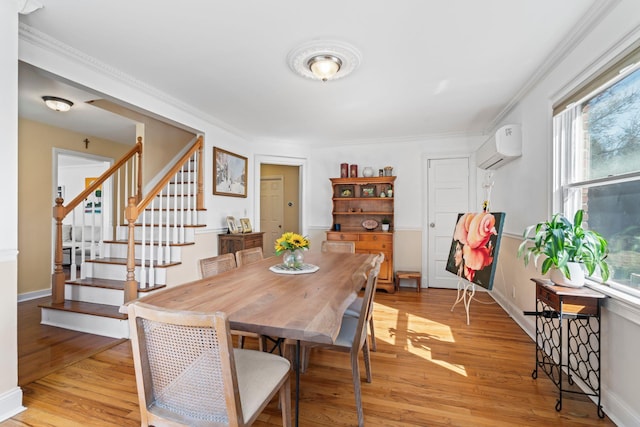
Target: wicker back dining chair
x,y
338,246
217,264
187,372
248,256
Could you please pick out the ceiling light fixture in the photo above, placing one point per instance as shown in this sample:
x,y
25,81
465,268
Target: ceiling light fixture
x,y
57,104
324,66
324,60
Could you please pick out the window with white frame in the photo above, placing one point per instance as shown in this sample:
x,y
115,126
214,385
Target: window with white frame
x,y
597,152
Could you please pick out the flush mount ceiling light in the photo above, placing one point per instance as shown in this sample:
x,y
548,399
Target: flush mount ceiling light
x,y
324,60
57,104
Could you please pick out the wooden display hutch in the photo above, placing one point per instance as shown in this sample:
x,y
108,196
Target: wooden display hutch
x,y
356,200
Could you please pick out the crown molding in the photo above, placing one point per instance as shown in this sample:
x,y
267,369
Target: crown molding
x,y
585,25
56,47
400,139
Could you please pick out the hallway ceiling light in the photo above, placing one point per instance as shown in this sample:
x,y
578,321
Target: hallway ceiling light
x,y
57,104
324,60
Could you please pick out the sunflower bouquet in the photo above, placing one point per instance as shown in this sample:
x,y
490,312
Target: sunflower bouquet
x,y
290,242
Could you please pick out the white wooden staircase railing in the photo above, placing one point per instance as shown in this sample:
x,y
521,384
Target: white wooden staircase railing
x,y
129,258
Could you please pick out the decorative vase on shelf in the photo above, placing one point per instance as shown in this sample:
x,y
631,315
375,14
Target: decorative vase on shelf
x,y
367,172
293,259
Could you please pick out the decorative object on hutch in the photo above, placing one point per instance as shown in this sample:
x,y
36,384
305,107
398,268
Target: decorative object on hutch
x,y
359,216
354,171
367,172
579,310
231,243
388,171
344,170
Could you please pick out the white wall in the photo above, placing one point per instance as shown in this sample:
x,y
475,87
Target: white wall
x,y
10,393
523,189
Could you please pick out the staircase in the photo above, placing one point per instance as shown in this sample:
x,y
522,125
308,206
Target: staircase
x,y
134,261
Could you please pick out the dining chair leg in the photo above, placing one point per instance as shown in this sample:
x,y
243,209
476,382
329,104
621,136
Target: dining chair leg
x,y
355,368
367,360
374,347
297,382
285,404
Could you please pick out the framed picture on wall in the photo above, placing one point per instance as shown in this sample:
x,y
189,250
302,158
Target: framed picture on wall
x,y
231,173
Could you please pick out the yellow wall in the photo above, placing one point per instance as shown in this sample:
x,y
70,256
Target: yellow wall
x,y
35,174
164,140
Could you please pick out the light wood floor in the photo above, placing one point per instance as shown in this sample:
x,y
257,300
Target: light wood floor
x,y
431,369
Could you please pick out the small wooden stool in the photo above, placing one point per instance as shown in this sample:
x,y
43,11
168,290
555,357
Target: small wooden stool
x,y
412,275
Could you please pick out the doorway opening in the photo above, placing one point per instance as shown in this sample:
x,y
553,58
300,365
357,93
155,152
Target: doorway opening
x,y
279,202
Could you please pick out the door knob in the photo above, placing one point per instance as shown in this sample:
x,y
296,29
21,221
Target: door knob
x,y
432,224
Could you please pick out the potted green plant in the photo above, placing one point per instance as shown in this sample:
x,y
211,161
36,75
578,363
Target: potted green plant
x,y
567,247
385,224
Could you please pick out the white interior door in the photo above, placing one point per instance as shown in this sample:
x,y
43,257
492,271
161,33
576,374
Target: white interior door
x,y
271,210
448,195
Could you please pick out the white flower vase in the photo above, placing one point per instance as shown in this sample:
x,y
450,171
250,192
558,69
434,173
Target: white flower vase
x,y
577,276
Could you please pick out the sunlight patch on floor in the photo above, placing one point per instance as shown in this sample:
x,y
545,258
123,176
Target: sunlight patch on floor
x,y
418,336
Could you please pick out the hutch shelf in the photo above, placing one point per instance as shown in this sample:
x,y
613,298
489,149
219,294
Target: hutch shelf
x,y
359,208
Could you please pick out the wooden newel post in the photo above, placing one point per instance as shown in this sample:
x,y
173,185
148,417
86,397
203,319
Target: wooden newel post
x,y
57,282
200,178
139,170
131,286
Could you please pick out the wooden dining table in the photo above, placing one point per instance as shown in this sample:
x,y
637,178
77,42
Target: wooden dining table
x,y
300,307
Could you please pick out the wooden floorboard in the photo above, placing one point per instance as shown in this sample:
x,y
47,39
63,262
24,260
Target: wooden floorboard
x,y
431,369
43,349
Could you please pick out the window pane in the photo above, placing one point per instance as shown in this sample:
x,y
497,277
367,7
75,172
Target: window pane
x,y
614,211
611,131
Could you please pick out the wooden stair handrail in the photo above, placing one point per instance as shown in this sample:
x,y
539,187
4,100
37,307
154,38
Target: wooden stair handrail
x,y
197,146
137,149
133,210
60,212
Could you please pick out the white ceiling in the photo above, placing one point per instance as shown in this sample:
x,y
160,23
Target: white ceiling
x,y
428,67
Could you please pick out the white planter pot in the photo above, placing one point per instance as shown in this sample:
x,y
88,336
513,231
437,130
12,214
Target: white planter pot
x,y
385,227
577,276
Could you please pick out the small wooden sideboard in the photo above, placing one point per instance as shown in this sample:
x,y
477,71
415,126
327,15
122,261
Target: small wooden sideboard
x,y
231,243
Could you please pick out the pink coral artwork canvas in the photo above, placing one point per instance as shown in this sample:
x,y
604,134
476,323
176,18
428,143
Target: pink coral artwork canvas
x,y
474,249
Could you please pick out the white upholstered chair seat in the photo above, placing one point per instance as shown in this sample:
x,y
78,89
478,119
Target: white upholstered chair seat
x,y
258,375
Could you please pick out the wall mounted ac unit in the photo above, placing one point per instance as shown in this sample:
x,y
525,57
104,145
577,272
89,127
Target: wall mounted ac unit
x,y
501,148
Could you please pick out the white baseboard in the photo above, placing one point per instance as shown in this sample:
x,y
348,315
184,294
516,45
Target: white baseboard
x,y
11,403
33,295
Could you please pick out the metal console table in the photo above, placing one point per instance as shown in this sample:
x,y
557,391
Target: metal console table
x,y
581,309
